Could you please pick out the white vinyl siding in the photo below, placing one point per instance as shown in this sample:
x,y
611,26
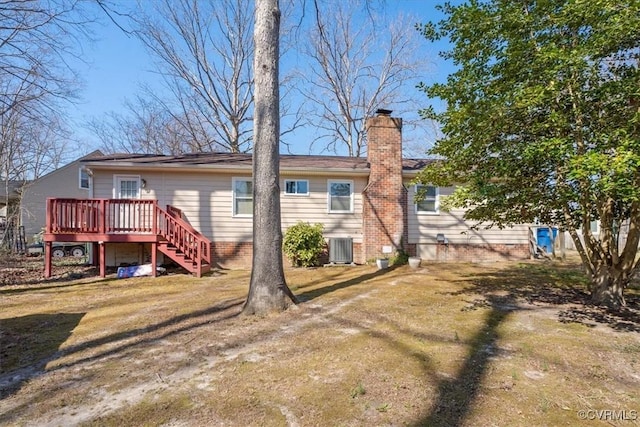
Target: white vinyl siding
x,y
206,201
62,183
242,197
340,196
423,229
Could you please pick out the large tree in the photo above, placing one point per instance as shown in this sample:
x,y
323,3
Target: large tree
x,y
38,40
145,125
543,123
358,61
204,51
268,290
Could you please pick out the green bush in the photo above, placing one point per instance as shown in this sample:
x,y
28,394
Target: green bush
x,y
303,244
400,258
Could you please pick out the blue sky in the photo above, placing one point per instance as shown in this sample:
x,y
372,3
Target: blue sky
x,y
117,64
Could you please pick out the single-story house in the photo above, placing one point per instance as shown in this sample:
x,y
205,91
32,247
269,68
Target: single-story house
x,y
365,204
68,181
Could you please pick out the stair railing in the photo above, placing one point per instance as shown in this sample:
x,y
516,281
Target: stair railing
x,y
183,236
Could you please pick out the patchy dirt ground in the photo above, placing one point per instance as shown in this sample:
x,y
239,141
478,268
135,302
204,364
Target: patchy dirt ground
x,y
448,344
23,270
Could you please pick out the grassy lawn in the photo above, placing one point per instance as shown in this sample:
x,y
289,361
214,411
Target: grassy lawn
x,y
447,345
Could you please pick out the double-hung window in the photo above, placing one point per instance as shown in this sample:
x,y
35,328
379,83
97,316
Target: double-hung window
x,y
340,196
296,187
242,196
429,204
84,178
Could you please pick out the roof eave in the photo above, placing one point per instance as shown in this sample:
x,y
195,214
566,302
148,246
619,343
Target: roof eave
x,y
128,166
410,173
324,171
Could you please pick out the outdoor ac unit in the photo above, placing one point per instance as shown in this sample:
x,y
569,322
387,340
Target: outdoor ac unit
x,y
341,250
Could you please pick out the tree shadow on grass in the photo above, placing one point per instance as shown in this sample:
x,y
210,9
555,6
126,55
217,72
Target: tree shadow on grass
x,y
455,396
152,333
28,343
562,285
626,319
120,341
53,285
116,343
13,375
318,292
504,292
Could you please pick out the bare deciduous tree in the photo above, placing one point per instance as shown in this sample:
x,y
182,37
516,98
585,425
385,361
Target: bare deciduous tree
x,y
28,149
145,126
44,147
37,40
355,69
204,51
268,290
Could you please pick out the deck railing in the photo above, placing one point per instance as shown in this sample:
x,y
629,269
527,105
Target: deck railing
x,y
118,216
73,216
185,238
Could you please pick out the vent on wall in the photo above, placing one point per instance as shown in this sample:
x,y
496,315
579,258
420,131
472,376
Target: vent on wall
x,y
341,250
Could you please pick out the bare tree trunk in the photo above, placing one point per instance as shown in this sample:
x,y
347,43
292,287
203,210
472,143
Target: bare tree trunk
x,y
268,290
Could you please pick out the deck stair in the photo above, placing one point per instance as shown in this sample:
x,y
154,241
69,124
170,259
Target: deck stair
x,y
127,221
183,243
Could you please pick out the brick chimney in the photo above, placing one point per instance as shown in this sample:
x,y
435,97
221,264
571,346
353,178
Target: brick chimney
x,y
385,197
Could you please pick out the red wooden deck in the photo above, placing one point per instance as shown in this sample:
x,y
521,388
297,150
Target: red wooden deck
x,y
102,221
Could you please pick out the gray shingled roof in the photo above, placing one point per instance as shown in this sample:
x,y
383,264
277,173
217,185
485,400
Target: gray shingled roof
x,y
244,160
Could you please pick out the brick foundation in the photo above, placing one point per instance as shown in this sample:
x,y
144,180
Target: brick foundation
x,y
480,253
240,255
232,254
411,249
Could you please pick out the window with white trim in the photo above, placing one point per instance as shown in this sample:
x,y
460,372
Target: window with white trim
x,y
242,196
127,187
296,187
340,196
429,203
83,179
